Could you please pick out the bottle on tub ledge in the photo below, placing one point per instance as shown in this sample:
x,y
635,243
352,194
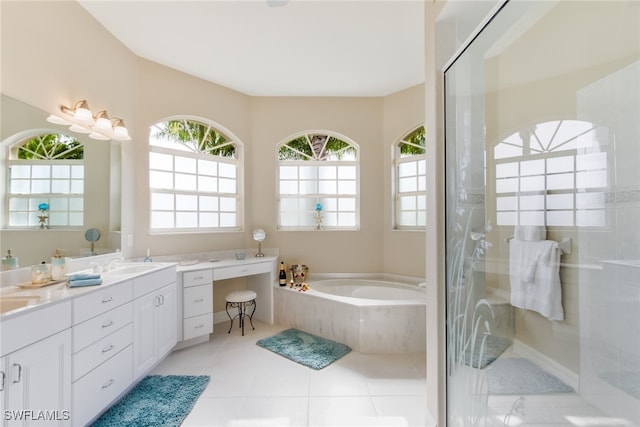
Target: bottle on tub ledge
x,y
282,277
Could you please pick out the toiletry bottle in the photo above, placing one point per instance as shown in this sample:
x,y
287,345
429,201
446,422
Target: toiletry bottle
x,y
148,257
283,275
58,267
9,262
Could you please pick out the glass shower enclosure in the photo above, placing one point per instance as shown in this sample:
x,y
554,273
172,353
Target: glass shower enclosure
x,y
542,135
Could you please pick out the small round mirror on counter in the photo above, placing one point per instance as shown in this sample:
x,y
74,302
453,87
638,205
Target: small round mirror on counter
x,y
259,235
92,235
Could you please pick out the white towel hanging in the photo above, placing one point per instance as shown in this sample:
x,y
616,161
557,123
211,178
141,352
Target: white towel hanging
x,y
534,272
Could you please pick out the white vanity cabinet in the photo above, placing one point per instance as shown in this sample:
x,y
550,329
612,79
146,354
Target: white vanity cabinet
x,y
154,321
102,349
35,367
197,303
197,286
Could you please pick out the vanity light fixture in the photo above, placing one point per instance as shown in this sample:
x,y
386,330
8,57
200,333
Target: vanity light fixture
x,y
80,119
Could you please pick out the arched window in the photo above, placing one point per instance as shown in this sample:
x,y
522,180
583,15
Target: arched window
x,y
194,177
410,181
552,174
318,183
46,170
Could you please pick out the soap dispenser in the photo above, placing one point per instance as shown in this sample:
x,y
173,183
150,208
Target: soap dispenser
x,y
9,262
58,266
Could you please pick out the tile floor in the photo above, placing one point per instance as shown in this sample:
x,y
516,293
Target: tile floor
x,y
251,386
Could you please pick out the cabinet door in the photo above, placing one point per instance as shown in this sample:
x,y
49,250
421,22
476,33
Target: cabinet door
x,y
167,330
144,336
155,328
39,379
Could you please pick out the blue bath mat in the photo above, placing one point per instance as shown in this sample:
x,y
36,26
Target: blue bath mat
x,y
494,346
157,401
304,348
517,376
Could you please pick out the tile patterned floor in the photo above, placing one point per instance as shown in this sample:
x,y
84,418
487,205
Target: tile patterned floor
x,y
251,386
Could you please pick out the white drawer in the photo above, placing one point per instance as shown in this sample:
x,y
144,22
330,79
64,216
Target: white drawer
x,y
101,351
196,278
93,392
150,282
94,303
197,326
33,325
100,326
197,300
242,270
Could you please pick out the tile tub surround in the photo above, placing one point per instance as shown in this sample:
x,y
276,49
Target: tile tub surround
x,y
366,326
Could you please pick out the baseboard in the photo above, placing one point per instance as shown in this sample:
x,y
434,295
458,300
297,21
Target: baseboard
x,y
220,317
190,342
569,377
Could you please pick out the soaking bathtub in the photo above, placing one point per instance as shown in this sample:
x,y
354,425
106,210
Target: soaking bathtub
x,y
368,315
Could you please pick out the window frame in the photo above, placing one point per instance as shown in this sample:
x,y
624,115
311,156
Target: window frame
x,y
35,199
543,156
197,156
396,195
315,198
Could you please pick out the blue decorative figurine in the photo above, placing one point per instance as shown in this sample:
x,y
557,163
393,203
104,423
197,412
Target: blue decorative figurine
x,y
43,217
318,216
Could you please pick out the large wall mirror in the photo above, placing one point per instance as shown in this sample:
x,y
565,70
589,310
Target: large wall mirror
x,y
82,193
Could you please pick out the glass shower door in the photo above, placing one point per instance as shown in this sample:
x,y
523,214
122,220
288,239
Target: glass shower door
x,y
542,134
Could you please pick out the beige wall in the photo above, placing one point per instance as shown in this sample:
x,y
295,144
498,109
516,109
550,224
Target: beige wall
x,y
58,67
53,53
163,93
274,120
404,251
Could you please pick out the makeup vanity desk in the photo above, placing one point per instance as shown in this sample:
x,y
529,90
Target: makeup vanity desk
x,y
196,287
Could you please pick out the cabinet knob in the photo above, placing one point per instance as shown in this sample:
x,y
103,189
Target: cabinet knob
x,y
107,324
106,300
108,383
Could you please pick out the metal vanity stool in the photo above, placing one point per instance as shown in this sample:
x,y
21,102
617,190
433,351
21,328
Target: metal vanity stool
x,y
242,300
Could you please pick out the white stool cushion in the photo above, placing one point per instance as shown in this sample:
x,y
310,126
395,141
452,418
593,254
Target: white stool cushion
x,y
241,296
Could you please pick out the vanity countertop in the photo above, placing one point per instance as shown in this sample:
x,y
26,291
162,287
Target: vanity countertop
x,y
15,301
34,298
221,262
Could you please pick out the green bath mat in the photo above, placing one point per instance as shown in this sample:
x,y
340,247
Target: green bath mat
x,y
304,348
157,401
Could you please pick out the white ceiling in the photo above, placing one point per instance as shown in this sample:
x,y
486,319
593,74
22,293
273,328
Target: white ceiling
x,y
277,47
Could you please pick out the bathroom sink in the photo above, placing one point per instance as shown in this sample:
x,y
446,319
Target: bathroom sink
x,y
8,303
124,270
